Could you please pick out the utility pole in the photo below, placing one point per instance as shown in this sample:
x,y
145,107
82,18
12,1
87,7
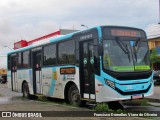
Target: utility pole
x,y
159,12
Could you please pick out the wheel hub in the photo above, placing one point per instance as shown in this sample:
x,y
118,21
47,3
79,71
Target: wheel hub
x,y
75,96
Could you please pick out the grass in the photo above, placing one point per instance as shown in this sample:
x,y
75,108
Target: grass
x,y
100,107
137,102
41,98
144,102
103,107
49,100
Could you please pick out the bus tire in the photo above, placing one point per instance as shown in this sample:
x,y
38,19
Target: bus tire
x,y
25,90
74,96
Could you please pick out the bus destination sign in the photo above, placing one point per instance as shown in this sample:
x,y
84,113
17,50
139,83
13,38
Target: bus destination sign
x,y
122,32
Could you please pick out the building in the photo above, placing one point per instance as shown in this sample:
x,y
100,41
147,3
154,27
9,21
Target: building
x,y
3,72
154,43
24,43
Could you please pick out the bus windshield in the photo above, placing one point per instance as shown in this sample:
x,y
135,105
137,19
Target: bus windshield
x,y
125,55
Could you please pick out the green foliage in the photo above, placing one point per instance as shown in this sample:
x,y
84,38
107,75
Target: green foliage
x,y
119,111
103,107
137,102
154,57
144,102
41,98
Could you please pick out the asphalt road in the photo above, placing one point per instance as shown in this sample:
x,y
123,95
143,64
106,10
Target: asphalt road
x,y
12,101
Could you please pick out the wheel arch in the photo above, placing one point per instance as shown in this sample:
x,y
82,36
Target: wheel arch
x,y
24,81
66,89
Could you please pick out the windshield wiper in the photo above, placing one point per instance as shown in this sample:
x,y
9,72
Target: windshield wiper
x,y
124,48
136,47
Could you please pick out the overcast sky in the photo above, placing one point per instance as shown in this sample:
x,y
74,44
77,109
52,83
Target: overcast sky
x,y
29,19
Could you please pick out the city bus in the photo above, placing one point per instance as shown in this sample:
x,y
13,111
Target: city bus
x,y
100,64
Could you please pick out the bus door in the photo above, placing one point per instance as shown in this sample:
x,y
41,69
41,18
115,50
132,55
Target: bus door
x,y
36,65
87,76
14,83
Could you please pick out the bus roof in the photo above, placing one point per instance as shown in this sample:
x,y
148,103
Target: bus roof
x,y
51,40
39,43
64,37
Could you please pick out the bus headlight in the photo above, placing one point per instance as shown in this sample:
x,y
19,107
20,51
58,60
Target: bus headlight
x,y
110,83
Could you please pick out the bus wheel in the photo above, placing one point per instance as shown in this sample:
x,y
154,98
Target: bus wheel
x,y
25,90
74,96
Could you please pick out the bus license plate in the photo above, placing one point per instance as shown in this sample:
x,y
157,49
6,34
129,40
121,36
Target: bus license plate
x,y
136,96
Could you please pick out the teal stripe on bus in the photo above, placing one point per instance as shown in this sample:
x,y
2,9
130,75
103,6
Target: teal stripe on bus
x,y
99,33
62,37
53,83
21,49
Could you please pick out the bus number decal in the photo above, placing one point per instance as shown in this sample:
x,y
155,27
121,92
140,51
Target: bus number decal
x,y
88,36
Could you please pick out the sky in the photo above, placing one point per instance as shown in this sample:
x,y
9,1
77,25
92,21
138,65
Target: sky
x,y
30,19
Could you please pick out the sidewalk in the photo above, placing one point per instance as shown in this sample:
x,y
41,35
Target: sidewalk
x,y
156,95
155,98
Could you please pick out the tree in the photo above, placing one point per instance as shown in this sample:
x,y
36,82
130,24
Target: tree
x,y
154,57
